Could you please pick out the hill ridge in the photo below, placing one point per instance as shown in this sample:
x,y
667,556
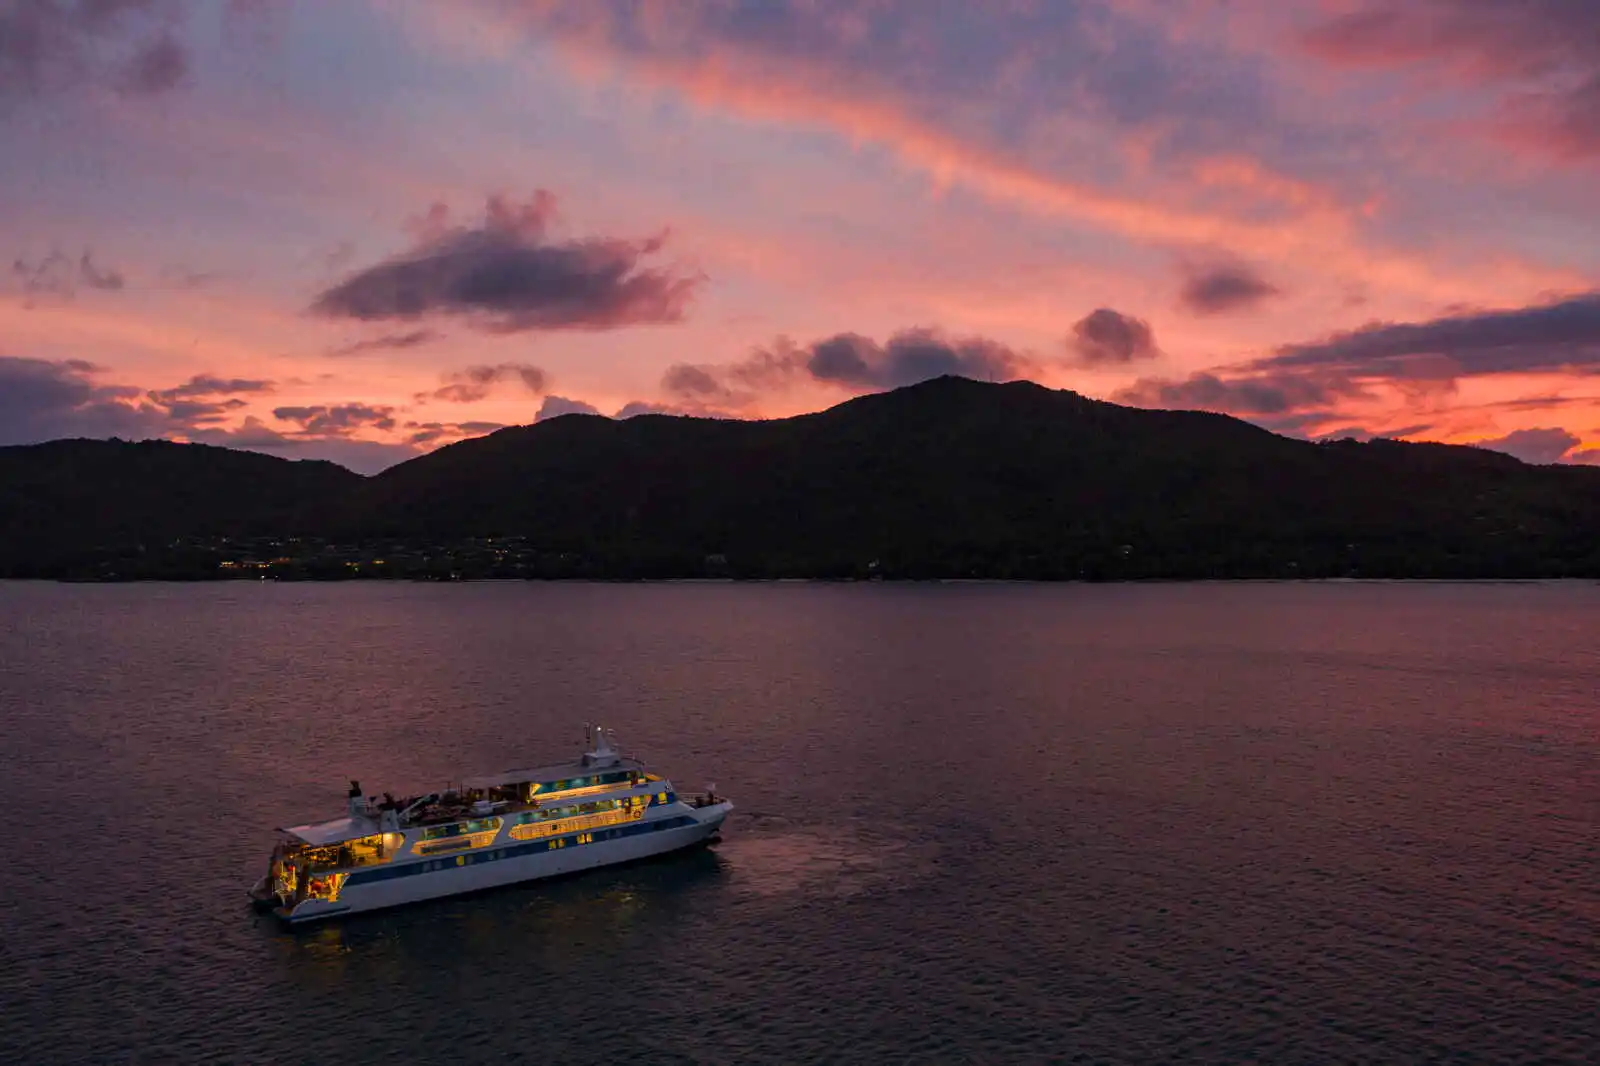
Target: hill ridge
x,y
946,478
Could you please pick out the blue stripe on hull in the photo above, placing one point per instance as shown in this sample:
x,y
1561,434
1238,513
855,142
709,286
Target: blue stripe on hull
x,y
513,851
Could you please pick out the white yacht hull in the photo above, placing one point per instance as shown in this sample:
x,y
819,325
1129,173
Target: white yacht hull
x,y
511,863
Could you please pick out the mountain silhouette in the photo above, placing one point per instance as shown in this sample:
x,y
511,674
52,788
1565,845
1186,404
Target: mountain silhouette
x,y
947,478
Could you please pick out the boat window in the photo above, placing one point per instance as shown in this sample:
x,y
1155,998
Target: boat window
x,y
481,825
593,781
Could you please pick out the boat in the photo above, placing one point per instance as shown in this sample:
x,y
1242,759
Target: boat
x,y
521,825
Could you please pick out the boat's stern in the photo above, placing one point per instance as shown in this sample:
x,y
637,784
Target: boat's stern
x,y
310,910
262,896
711,814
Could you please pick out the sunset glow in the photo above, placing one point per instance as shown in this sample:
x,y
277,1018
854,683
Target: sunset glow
x,y
362,230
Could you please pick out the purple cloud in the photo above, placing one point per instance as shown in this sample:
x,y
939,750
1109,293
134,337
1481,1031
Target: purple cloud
x,y
157,67
432,432
846,360
134,47
337,420
52,44
1543,55
202,412
45,400
209,385
556,406
1258,394
505,276
1545,338
1221,288
415,338
362,456
910,356
57,275
1422,360
636,408
984,74
1303,385
1539,446
475,383
1109,338
685,379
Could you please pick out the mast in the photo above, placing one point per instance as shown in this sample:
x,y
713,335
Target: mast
x,y
599,749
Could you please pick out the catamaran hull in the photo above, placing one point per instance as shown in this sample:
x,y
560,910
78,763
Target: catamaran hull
x,y
510,863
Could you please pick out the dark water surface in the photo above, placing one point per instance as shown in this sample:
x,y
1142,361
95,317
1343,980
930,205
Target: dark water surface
x,y
985,823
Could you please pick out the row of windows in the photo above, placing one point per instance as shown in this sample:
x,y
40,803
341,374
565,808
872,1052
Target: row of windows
x,y
514,851
544,814
545,820
613,778
497,853
480,825
461,843
583,821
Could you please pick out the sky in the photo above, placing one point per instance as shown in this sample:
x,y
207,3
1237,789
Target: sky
x,y
362,229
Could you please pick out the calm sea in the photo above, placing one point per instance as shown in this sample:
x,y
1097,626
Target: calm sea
x,y
977,823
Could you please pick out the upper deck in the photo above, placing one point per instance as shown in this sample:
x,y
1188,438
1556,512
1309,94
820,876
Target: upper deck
x,y
601,769
601,760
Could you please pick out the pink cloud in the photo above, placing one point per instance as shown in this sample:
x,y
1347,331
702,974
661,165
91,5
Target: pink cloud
x,y
1542,57
897,76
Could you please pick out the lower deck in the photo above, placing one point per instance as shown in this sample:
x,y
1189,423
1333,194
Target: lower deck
x,y
376,887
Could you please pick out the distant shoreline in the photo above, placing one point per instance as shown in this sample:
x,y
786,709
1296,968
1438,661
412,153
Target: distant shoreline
x,y
1554,580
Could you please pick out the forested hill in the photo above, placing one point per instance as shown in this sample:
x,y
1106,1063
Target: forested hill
x,y
949,478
